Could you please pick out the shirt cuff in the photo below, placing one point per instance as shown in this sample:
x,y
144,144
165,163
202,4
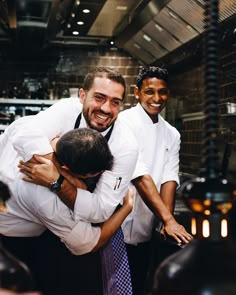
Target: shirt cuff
x,y
83,238
140,170
170,178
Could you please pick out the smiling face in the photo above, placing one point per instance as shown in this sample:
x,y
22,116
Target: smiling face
x,y
152,95
101,103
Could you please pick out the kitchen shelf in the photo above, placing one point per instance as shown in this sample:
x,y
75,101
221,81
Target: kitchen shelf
x,y
26,102
14,108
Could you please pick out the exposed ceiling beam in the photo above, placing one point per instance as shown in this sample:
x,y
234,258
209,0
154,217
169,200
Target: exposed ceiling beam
x,y
139,18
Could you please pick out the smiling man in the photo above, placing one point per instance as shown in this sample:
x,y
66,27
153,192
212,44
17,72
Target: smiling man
x,y
98,107
159,143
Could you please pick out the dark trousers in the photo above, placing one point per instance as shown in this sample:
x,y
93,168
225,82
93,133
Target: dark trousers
x,y
55,270
139,256
160,250
144,259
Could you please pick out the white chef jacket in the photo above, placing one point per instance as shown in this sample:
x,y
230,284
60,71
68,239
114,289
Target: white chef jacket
x,y
33,208
159,144
30,135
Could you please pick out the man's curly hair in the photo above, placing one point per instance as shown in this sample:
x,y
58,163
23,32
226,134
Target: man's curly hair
x,y
151,72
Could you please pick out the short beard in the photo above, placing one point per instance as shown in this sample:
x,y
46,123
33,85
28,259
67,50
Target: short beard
x,y
86,117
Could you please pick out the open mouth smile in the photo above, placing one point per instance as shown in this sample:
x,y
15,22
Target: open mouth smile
x,y
156,105
101,117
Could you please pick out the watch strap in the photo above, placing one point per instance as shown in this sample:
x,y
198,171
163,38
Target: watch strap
x,y
60,179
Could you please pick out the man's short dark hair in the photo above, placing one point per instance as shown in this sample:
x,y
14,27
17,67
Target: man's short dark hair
x,y
101,72
151,72
84,151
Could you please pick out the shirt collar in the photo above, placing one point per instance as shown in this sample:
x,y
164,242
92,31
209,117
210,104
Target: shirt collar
x,y
145,117
83,124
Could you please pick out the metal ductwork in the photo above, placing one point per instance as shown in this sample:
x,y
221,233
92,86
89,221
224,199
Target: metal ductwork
x,y
167,25
147,29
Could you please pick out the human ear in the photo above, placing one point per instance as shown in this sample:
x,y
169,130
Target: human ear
x,y
64,167
81,95
136,92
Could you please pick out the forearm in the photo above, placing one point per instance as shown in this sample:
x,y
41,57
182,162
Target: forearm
x,y
109,227
45,170
167,193
67,194
148,192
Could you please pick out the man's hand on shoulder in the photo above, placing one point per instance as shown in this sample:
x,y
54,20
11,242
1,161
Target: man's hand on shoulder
x,y
39,170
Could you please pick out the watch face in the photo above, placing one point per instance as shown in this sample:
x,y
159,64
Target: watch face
x,y
55,186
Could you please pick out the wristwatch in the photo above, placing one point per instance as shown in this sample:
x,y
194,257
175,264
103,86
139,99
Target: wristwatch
x,y
55,186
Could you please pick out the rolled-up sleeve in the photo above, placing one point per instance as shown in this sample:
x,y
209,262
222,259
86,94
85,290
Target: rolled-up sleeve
x,y
171,167
140,168
82,239
45,208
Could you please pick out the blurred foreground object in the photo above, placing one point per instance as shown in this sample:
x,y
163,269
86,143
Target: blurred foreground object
x,y
4,195
7,292
14,274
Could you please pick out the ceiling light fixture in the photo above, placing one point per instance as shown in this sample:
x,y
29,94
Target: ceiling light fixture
x,y
77,2
159,27
137,46
190,28
119,7
86,10
75,33
73,14
147,38
173,15
80,23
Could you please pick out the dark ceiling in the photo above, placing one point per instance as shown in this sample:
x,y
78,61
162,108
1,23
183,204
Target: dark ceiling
x,y
148,29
